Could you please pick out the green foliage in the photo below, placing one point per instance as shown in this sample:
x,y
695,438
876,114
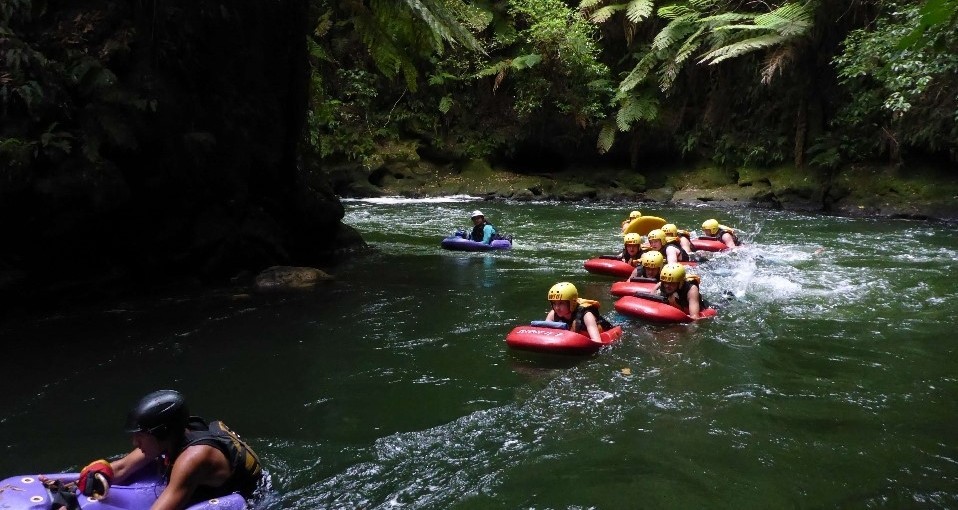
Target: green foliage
x,y
901,94
63,106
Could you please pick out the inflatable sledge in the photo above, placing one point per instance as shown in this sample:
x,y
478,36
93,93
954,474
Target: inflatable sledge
x,y
551,337
608,265
459,244
643,225
705,243
653,308
631,286
29,493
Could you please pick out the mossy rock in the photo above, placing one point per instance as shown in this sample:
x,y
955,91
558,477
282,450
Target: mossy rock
x,y
889,191
705,177
731,195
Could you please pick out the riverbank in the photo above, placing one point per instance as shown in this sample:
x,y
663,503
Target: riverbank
x,y
916,192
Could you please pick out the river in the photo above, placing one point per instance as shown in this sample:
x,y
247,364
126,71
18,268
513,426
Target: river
x,y
829,380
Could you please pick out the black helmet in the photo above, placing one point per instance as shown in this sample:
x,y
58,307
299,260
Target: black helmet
x,y
160,413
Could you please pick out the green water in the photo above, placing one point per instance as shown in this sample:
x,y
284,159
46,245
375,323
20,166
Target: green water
x,y
829,381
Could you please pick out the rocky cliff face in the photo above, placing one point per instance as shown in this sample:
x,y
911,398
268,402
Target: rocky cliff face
x,y
144,140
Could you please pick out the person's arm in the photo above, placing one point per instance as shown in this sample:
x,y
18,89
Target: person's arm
x,y
729,240
128,465
487,232
551,316
694,302
197,465
592,327
635,272
672,255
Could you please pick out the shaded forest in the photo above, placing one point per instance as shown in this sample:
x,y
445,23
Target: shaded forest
x,y
144,141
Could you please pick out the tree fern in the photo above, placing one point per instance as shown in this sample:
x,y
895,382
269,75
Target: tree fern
x,y
637,75
635,108
741,48
775,28
442,23
606,137
586,5
603,14
677,29
638,10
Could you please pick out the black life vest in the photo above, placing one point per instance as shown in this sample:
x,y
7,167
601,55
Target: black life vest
x,y
477,231
683,294
576,322
245,468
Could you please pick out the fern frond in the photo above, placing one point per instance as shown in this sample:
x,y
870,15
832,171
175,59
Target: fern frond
x,y
674,11
634,108
606,138
638,73
443,24
585,5
494,69
702,5
602,15
638,10
445,104
690,45
677,29
740,48
725,18
526,61
788,20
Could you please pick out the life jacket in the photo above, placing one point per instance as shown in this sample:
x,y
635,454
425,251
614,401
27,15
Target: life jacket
x,y
683,255
682,294
477,231
576,323
245,468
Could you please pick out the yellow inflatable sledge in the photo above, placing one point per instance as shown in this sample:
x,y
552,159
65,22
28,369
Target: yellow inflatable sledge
x,y
644,224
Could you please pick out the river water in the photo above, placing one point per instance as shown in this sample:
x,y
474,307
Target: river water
x,y
829,380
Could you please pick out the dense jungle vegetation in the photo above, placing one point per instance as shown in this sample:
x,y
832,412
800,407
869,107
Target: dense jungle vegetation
x,y
734,82
144,139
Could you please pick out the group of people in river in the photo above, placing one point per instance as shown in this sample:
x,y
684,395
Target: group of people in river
x,y
659,260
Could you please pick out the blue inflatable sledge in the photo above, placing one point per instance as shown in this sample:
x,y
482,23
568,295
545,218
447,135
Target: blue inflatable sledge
x,y
29,493
459,244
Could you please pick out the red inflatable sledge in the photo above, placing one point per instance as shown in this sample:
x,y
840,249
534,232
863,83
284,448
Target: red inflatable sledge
x,y
542,336
708,244
608,265
630,287
653,308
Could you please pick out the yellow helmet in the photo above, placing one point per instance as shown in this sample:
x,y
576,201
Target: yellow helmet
x,y
634,214
652,259
670,229
710,227
633,239
657,235
672,273
563,291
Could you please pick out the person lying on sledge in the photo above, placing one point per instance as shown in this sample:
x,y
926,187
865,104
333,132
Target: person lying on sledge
x,y
650,264
712,228
669,247
579,314
681,290
200,460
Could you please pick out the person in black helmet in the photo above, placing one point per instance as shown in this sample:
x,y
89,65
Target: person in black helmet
x,y
200,460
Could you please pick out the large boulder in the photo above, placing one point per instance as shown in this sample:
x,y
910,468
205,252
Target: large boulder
x,y
287,278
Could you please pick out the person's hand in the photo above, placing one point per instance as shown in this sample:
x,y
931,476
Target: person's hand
x,y
95,479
